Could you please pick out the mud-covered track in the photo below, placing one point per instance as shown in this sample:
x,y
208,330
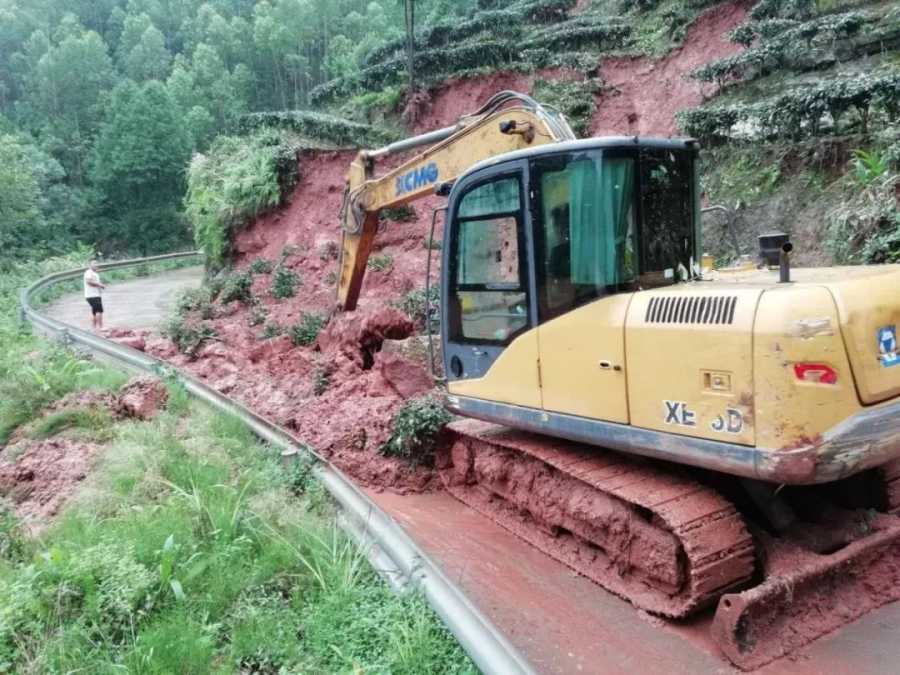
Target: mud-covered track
x,y
666,543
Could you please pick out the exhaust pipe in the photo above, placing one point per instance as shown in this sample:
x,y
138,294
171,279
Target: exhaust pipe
x,y
784,265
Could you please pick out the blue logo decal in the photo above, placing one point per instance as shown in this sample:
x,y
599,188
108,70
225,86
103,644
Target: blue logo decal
x,y
887,346
417,178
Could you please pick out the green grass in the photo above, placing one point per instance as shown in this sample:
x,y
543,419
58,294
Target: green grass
x,y
94,422
197,553
188,549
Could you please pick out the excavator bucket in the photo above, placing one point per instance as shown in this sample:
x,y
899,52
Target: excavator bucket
x,y
806,595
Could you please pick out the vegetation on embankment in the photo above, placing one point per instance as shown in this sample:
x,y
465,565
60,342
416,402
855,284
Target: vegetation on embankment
x,y
187,548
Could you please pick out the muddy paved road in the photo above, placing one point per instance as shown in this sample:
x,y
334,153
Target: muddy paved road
x,y
563,623
137,303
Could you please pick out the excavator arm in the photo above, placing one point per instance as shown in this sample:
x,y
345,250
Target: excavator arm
x,y
508,122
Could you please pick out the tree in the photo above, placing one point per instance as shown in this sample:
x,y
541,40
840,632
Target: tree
x,y
409,15
138,163
20,219
64,91
142,52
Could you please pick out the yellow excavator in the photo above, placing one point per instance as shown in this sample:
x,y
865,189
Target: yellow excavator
x,y
684,436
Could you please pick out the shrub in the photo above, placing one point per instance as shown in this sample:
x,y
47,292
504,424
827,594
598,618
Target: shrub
x,y
800,111
238,288
306,331
317,126
188,337
231,184
261,266
571,97
742,35
257,315
272,330
380,263
403,214
330,251
321,378
415,431
285,281
415,305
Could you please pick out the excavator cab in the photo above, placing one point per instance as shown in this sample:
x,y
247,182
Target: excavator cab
x,y
547,230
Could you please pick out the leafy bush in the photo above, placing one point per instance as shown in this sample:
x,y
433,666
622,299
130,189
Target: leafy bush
x,y
401,214
744,34
235,181
800,111
306,331
238,288
272,330
415,305
198,300
866,226
285,282
786,40
574,98
261,266
380,263
257,315
188,337
317,126
415,431
330,251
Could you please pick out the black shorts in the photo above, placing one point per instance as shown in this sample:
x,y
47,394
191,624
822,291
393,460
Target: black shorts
x,y
96,305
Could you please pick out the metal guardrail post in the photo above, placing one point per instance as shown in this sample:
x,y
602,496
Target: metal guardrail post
x,y
390,550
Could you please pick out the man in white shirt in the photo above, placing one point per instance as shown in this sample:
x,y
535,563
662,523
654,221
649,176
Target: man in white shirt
x,y
92,290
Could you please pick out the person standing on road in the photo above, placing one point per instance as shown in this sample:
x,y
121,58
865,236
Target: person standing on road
x,y
92,293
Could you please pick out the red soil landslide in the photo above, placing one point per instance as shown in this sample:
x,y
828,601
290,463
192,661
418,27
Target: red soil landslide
x,y
40,480
648,92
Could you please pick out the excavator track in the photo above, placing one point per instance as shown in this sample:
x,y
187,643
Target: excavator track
x,y
665,543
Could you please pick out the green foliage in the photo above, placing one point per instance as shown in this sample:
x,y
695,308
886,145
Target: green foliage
x,y
198,300
233,183
419,310
238,288
139,157
261,266
188,336
574,98
783,42
415,431
317,126
380,263
401,214
285,282
800,111
306,331
272,330
21,223
257,315
865,227
95,421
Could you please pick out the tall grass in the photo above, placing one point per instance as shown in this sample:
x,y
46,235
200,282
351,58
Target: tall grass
x,y
197,553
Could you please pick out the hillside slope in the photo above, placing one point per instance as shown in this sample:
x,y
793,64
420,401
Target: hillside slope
x,y
344,401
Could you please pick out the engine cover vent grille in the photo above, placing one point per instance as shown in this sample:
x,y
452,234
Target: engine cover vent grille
x,y
713,309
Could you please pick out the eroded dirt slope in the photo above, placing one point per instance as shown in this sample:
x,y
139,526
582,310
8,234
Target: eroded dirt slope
x,y
344,404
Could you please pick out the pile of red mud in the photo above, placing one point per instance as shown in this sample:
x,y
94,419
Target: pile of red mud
x,y
38,476
342,395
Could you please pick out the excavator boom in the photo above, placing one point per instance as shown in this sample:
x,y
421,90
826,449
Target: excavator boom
x,y
496,128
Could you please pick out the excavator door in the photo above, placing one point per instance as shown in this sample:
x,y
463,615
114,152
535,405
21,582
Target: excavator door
x,y
487,295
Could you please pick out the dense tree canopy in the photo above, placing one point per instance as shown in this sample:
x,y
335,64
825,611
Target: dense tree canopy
x,y
102,102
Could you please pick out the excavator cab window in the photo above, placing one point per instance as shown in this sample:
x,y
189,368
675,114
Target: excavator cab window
x,y
490,289
666,202
584,221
